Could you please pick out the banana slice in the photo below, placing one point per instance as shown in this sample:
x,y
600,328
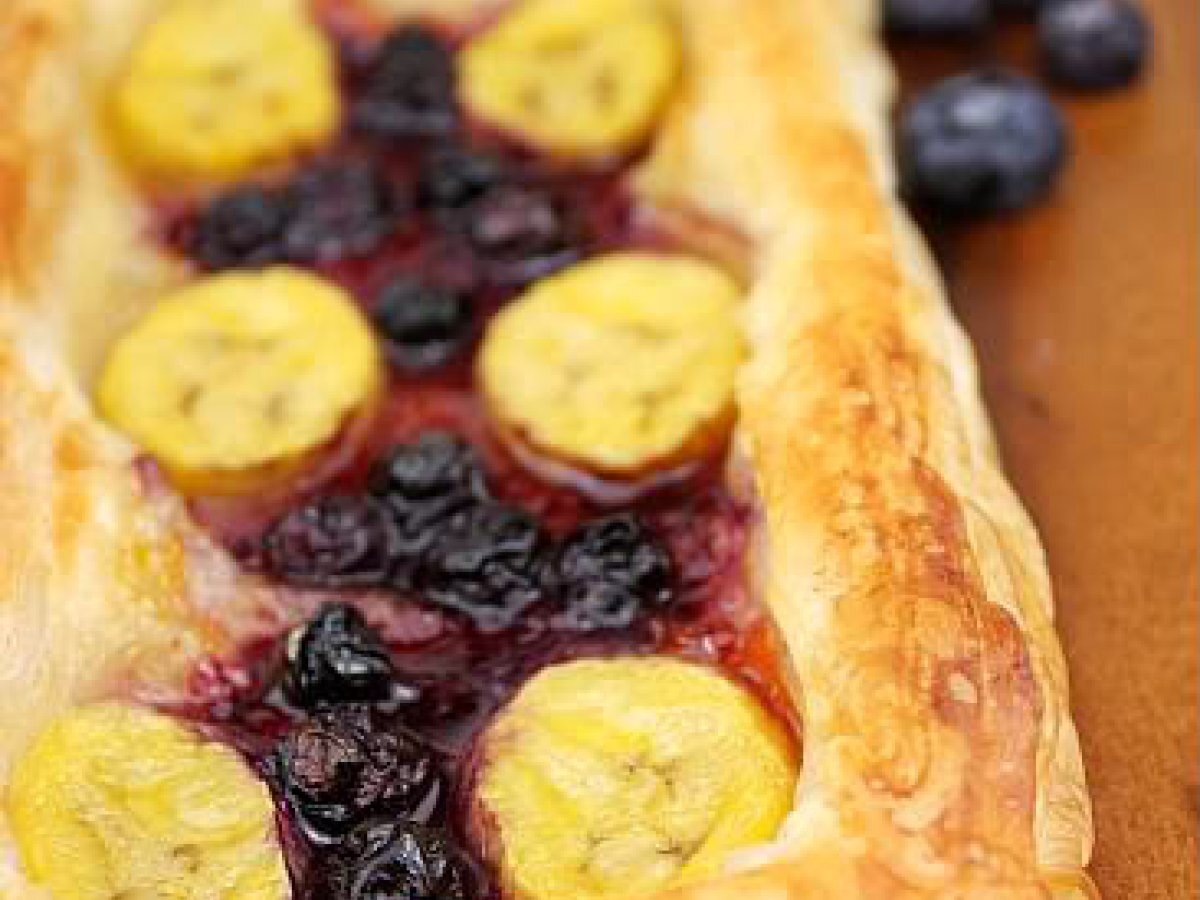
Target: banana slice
x,y
584,78
621,777
216,87
240,374
112,802
621,365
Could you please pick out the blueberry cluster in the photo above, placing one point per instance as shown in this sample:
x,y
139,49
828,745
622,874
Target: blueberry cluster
x,y
991,140
428,526
363,791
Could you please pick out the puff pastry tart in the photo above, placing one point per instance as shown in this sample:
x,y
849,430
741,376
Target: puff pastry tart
x,y
457,451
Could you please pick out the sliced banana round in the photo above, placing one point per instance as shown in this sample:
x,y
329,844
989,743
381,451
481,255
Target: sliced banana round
x,y
113,802
214,88
621,365
240,373
621,777
584,78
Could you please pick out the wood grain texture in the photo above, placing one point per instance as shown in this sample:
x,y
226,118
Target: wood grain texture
x,y
1084,313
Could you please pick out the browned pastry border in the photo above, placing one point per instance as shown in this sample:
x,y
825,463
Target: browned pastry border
x,y
940,759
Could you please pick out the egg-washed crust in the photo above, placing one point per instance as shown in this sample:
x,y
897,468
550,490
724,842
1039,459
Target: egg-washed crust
x,y
940,758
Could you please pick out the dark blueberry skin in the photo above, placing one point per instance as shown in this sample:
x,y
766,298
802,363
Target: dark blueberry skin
x,y
386,859
346,765
981,143
521,232
424,326
408,88
486,563
423,484
338,658
452,177
337,541
937,18
609,571
1093,44
242,228
340,210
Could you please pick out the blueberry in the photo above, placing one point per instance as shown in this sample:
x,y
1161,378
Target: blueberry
x,y
521,232
346,765
408,88
243,227
452,177
982,142
937,18
338,658
388,859
336,541
1093,44
486,563
610,570
424,484
424,325
340,210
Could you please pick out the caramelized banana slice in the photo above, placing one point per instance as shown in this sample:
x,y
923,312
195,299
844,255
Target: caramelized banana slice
x,y
621,777
239,373
216,87
112,802
620,365
584,78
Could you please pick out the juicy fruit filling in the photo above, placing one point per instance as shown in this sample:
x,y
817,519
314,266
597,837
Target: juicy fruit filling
x,y
450,535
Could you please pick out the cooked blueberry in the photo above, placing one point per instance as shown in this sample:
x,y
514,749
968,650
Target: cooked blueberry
x,y
1019,7
346,765
1093,43
408,88
454,176
436,463
610,570
340,210
937,17
486,562
387,859
334,542
982,142
338,658
423,325
522,231
241,228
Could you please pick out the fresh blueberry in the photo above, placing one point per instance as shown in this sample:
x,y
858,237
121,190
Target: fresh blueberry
x,y
1093,44
981,143
424,326
937,18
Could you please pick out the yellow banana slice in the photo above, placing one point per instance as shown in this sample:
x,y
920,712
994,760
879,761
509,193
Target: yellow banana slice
x,y
216,87
581,78
112,802
621,777
239,373
621,365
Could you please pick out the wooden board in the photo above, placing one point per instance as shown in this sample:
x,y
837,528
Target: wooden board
x,y
1084,315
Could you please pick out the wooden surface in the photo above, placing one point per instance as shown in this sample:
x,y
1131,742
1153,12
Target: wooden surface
x,y
1084,315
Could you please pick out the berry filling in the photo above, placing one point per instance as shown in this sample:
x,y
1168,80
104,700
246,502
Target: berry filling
x,y
446,571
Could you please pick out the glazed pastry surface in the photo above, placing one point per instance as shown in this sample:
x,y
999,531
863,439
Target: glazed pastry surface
x,y
909,586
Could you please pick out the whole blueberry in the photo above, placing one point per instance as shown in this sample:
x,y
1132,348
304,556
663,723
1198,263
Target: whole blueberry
x,y
387,858
337,657
408,88
937,18
1093,44
980,143
451,177
336,541
241,228
423,325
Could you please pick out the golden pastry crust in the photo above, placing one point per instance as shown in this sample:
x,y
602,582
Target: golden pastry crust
x,y
908,583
